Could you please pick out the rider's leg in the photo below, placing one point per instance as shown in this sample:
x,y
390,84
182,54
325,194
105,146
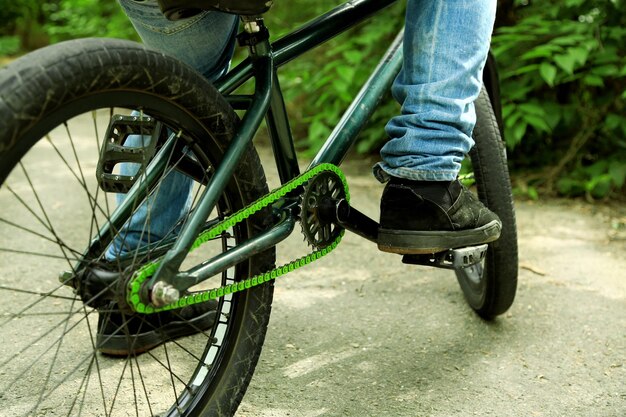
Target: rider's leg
x,y
445,48
205,42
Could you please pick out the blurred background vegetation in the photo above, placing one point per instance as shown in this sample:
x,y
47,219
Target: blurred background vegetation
x,y
562,66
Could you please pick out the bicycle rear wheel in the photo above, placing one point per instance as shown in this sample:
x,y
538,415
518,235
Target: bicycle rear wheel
x,y
489,287
55,107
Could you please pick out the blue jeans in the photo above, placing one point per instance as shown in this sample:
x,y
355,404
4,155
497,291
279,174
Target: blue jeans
x,y
446,43
445,49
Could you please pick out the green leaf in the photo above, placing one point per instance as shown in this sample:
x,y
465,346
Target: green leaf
x,y
617,172
511,120
507,110
548,73
542,51
553,113
346,73
599,187
573,40
593,81
532,108
570,187
354,57
566,63
614,121
579,55
520,71
518,132
606,70
318,131
537,122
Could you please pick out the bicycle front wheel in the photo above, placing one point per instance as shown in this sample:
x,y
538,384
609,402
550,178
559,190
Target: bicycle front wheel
x,y
56,110
489,287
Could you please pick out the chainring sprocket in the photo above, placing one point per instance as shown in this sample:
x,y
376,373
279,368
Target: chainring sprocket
x,y
316,205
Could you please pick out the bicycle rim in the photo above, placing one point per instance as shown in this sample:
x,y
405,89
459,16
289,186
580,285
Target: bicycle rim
x,y
52,209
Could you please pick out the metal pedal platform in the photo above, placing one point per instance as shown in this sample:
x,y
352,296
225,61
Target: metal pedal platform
x,y
450,259
114,152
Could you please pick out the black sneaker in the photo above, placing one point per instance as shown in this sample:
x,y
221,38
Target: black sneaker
x,y
418,217
121,334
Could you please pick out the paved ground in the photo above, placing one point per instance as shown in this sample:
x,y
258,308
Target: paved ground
x,y
361,334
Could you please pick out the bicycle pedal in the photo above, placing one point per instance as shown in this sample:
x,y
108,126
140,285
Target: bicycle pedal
x,y
114,151
450,259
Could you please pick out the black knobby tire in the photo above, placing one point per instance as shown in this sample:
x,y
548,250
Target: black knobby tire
x,y
40,95
490,287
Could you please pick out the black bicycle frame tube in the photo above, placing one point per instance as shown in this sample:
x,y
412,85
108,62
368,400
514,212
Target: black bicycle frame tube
x,y
280,135
263,68
239,253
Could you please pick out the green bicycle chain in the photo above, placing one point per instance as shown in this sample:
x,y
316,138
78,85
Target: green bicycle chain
x,y
147,270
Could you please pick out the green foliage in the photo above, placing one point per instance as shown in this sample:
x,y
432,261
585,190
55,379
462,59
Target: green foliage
x,y
563,76
596,181
562,69
70,19
9,45
320,86
30,24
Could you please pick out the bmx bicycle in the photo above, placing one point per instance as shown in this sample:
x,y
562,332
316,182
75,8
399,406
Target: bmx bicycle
x,y
66,112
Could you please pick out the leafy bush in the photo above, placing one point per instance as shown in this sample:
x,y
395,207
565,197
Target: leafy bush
x,y
70,19
319,87
30,24
563,76
562,67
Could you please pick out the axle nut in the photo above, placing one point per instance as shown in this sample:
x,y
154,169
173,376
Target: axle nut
x,y
163,293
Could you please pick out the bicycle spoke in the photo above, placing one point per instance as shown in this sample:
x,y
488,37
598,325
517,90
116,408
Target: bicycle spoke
x,y
43,210
117,388
56,239
97,134
84,381
60,383
54,359
41,294
62,285
93,200
42,255
143,385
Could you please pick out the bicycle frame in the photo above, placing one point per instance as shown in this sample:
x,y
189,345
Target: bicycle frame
x,y
267,102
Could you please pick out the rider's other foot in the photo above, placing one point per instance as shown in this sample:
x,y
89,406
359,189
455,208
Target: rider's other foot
x,y
418,217
121,334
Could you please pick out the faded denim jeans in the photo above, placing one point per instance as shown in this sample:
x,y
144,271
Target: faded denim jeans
x,y
445,48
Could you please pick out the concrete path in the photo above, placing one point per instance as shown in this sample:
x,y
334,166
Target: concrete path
x,y
361,334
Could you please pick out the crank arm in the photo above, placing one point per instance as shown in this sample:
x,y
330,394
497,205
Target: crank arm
x,y
353,220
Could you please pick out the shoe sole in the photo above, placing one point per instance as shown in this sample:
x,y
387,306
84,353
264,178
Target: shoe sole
x,y
411,242
125,345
